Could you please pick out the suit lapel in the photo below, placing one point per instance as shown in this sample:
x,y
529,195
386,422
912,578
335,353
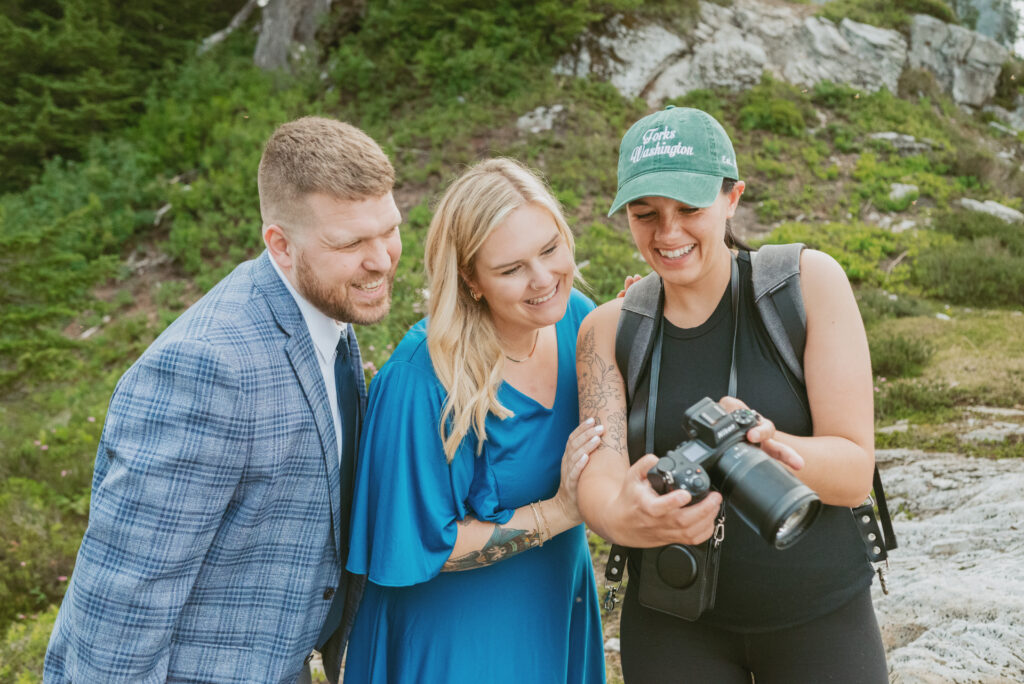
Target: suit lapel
x,y
302,357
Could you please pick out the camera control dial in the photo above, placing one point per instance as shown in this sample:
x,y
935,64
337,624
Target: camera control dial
x,y
668,476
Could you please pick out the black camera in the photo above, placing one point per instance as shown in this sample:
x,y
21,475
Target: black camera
x,y
767,497
681,580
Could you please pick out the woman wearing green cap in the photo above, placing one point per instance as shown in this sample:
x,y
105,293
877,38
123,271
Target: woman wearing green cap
x,y
798,614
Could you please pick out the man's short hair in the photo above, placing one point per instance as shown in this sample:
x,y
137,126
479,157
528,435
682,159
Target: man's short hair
x,y
319,155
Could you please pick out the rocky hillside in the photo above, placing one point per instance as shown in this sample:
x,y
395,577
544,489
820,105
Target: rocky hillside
x,y
732,47
886,133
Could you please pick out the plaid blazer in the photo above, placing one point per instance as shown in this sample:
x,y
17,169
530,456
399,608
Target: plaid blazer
x,y
217,528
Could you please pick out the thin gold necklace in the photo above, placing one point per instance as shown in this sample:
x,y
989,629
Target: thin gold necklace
x,y
536,337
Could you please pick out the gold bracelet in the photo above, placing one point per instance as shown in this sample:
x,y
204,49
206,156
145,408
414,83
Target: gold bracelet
x,y
547,527
536,521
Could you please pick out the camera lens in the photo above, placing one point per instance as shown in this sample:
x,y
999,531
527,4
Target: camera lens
x,y
767,496
795,524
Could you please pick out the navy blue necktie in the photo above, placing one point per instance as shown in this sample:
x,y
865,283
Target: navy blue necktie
x,y
345,369
348,403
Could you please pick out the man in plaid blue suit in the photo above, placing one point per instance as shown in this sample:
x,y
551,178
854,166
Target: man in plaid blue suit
x,y
218,526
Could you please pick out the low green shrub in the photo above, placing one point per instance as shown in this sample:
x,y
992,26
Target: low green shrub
x,y
39,538
981,272
876,305
864,113
1010,83
24,646
449,48
775,106
973,161
971,225
773,115
607,256
703,99
919,83
837,96
860,248
898,356
915,399
877,171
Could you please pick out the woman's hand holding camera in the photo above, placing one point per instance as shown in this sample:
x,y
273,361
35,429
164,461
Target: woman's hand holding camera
x,y
646,518
763,434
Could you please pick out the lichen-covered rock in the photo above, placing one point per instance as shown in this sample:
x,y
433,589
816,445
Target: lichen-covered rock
x,y
993,208
903,143
955,611
627,55
731,47
734,45
965,63
540,119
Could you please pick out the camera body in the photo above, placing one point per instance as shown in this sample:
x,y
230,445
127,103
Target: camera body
x,y
712,431
681,580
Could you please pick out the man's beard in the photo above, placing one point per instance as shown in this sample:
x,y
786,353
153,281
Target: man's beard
x,y
334,302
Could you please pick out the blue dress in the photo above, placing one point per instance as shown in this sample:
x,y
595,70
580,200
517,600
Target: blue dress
x,y
532,617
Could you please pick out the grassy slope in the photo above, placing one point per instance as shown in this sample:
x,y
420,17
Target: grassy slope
x,y
811,171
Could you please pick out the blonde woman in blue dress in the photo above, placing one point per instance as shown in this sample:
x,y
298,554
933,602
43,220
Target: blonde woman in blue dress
x,y
465,519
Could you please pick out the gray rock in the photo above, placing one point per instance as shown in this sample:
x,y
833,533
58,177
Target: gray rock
x,y
993,208
965,63
900,190
1012,119
723,57
905,144
540,119
734,45
995,432
628,56
996,19
730,47
1002,129
899,426
995,411
955,611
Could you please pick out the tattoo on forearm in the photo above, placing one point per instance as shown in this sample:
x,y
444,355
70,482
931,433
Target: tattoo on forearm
x,y
504,542
599,384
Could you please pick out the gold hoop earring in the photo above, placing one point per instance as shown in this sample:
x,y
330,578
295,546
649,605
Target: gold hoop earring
x,y
475,295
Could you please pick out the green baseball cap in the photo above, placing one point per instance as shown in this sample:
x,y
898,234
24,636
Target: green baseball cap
x,y
680,153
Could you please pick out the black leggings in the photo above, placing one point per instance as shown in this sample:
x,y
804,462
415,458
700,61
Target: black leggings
x,y
842,646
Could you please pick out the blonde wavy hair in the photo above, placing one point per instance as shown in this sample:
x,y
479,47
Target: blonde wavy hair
x,y
461,337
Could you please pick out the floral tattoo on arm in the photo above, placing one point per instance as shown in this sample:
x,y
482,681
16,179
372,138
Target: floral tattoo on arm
x,y
599,385
504,542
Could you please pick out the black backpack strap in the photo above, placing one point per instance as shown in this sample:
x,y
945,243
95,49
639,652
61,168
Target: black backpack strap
x,y
634,336
776,276
634,342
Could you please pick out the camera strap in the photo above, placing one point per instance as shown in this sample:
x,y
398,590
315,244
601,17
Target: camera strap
x,y
614,570
777,294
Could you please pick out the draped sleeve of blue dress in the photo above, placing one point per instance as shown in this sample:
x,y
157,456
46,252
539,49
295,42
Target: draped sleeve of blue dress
x,y
531,617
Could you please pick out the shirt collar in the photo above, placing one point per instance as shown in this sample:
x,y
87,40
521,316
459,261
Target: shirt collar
x,y
324,330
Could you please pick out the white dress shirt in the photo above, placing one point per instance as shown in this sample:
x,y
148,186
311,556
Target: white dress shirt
x,y
325,332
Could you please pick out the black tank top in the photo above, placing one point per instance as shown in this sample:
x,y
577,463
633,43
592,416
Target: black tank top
x,y
760,588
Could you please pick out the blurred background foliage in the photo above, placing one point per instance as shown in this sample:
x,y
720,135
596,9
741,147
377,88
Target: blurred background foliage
x,y
129,189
